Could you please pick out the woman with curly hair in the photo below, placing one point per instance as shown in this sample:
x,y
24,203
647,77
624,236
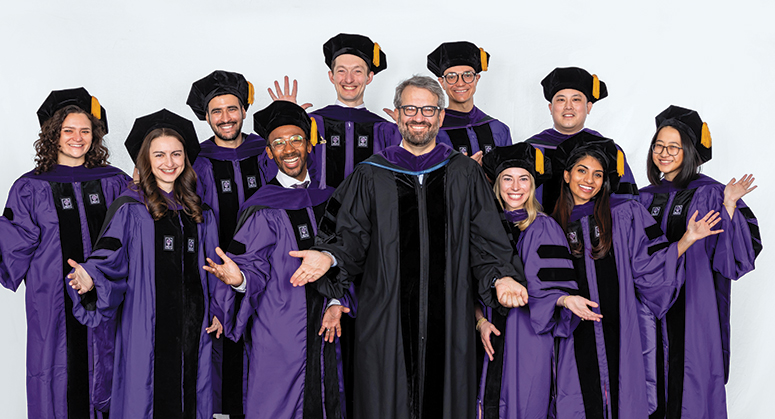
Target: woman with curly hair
x,y
53,214
146,269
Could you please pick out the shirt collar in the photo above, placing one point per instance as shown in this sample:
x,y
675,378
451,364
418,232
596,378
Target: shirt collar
x,y
342,104
287,181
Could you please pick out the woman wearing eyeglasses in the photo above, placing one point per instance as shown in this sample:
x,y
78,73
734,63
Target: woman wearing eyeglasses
x,y
691,367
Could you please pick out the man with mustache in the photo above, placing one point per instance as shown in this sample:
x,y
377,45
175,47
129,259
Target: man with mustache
x,y
231,167
419,222
571,92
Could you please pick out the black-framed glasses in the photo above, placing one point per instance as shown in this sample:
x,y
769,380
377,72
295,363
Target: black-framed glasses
x,y
468,77
427,111
672,150
295,140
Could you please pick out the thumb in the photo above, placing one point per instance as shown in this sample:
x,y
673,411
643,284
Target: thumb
x,y
345,309
298,253
72,263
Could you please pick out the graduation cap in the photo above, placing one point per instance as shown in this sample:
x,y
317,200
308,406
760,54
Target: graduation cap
x,y
584,142
574,78
79,97
219,83
358,45
162,119
690,123
450,54
280,113
520,155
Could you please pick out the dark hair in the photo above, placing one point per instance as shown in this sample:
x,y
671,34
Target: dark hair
x,y
565,204
185,184
47,144
690,166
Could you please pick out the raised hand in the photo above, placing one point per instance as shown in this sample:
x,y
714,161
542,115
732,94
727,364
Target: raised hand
x,y
510,292
229,273
735,190
698,230
80,280
313,265
393,113
286,94
331,322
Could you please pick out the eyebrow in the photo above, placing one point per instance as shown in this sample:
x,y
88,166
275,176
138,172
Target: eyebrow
x,y
593,171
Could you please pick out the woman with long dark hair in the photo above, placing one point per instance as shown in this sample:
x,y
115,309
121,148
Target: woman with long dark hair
x,y
621,258
691,365
517,374
146,269
54,213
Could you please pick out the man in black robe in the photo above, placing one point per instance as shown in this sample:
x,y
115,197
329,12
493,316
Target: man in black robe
x,y
419,221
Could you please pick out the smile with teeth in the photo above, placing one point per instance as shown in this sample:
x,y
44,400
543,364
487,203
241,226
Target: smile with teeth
x,y
586,189
291,161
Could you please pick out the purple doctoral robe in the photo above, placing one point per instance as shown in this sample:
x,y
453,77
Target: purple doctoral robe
x,y
350,136
547,194
49,218
470,132
226,177
149,274
694,335
600,371
517,383
293,374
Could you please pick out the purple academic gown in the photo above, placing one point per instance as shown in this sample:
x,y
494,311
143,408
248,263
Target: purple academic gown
x,y
226,177
547,194
694,334
293,374
350,136
600,371
67,202
517,383
162,354
470,132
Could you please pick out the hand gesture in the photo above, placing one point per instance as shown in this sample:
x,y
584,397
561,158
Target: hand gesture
x,y
737,189
579,306
485,329
80,279
331,322
286,94
392,113
216,327
697,230
229,273
510,292
478,157
313,265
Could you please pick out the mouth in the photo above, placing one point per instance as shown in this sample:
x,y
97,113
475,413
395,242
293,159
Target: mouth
x,y
568,115
665,162
75,145
419,126
227,126
169,171
292,162
349,88
586,189
515,196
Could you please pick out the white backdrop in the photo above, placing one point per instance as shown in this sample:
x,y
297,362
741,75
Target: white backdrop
x,y
138,57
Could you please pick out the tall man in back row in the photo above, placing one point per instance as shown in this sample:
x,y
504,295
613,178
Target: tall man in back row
x,y
419,221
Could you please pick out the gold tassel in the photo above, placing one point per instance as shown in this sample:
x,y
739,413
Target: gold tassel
x,y
539,162
620,163
375,60
705,140
595,87
96,109
483,57
251,93
313,132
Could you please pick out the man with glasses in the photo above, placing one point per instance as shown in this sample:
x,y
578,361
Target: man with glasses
x,y
571,92
418,221
466,128
230,168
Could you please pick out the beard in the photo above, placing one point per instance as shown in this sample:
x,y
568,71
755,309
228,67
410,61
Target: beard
x,y
231,136
418,139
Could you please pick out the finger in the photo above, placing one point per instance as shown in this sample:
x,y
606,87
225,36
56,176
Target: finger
x,y
72,263
298,253
277,87
322,329
219,333
345,309
222,255
694,216
271,94
285,85
306,106
496,331
295,87
488,348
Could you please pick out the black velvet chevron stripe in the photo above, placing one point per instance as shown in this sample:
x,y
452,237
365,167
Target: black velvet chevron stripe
x,y
553,251
653,231
657,247
556,274
8,213
108,243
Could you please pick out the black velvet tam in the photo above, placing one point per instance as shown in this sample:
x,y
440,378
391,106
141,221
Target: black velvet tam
x,y
358,45
521,155
573,78
79,97
604,149
690,123
450,54
278,114
219,83
162,119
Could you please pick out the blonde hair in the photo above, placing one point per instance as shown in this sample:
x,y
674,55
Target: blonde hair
x,y
532,207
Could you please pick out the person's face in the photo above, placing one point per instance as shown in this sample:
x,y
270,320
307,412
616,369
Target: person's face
x,y
515,186
225,115
419,130
168,160
585,179
667,138
290,158
350,75
75,139
569,110
459,91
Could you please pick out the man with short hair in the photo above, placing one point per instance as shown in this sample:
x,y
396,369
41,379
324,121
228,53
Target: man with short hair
x,y
571,92
231,167
467,129
418,221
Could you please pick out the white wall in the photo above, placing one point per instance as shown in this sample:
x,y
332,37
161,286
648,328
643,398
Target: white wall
x,y
140,56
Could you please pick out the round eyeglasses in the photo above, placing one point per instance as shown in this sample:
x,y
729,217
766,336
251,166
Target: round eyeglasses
x,y
295,140
468,77
672,150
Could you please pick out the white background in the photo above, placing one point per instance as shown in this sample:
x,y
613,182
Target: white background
x,y
140,56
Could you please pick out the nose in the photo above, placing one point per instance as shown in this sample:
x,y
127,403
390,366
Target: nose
x,y
348,77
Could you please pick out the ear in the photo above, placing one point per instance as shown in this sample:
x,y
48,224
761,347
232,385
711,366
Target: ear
x,y
441,81
244,114
589,107
550,107
331,76
309,146
269,152
566,176
207,116
371,77
441,117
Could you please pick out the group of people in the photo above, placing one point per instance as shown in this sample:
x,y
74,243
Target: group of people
x,y
339,264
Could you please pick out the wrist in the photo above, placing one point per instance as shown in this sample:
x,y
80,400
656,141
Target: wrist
x,y
480,323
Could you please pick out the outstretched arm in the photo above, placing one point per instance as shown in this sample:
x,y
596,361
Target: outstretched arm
x,y
313,265
736,190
